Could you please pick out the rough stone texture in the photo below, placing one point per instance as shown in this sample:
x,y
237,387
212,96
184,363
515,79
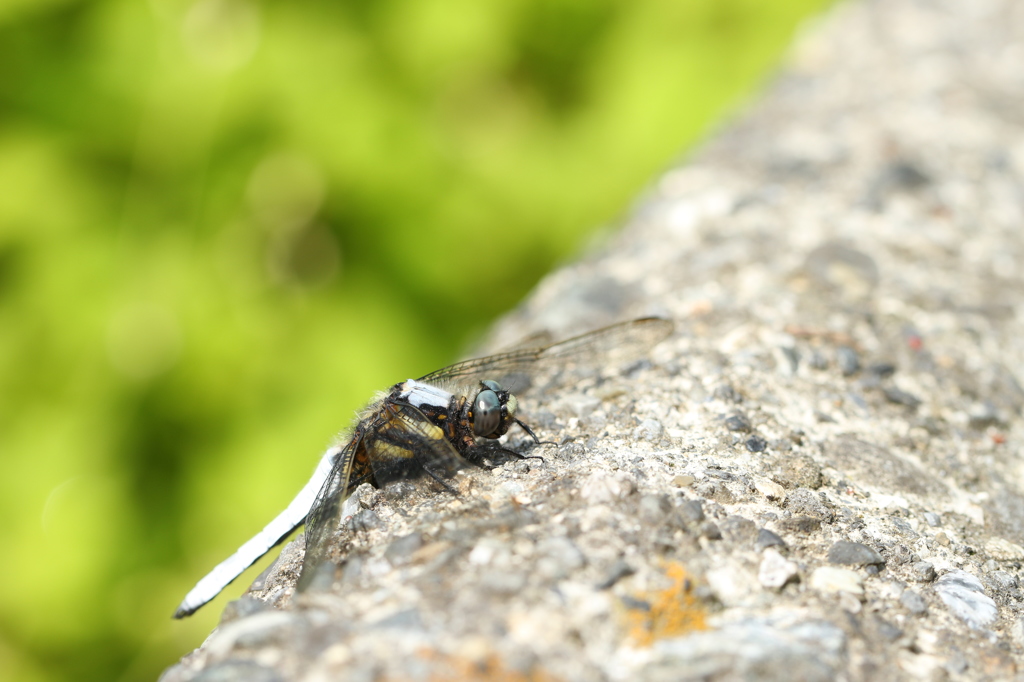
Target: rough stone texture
x,y
845,268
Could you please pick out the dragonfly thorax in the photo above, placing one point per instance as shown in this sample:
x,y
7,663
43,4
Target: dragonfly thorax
x,y
493,410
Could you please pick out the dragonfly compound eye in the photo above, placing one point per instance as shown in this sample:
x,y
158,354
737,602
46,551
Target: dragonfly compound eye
x,y
486,413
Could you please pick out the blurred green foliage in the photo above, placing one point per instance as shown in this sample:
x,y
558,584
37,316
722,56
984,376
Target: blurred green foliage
x,y
224,224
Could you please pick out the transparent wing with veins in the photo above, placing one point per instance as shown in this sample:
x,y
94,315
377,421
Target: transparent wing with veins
x,y
617,343
324,512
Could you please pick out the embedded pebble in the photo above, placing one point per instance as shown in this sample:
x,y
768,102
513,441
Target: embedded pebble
x,y
619,570
846,358
833,580
787,360
244,606
809,503
817,359
964,595
766,538
882,370
726,393
775,570
922,572
365,520
756,444
683,480
691,511
983,415
853,554
770,489
900,397
252,631
737,423
738,529
913,602
1001,580
710,530
932,519
649,429
797,471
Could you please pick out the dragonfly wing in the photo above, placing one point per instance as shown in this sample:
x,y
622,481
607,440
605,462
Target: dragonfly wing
x,y
325,512
274,532
617,343
406,445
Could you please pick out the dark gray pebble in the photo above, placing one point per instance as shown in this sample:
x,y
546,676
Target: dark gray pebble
x,y
738,529
900,397
737,423
726,393
710,530
913,602
691,511
635,604
887,630
756,444
849,363
882,369
982,416
817,360
899,176
789,360
365,520
853,554
766,538
922,572
619,570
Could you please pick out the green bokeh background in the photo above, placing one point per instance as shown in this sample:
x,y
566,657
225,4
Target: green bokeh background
x,y
224,224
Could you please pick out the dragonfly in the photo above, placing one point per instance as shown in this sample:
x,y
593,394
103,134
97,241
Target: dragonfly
x,y
426,428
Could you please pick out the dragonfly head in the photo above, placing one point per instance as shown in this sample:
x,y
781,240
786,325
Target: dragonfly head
x,y
494,410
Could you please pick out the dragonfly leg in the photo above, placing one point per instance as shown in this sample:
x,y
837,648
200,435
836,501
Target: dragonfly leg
x,y
440,481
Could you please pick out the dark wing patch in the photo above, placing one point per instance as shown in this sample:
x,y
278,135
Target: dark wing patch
x,y
617,343
396,443
405,444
